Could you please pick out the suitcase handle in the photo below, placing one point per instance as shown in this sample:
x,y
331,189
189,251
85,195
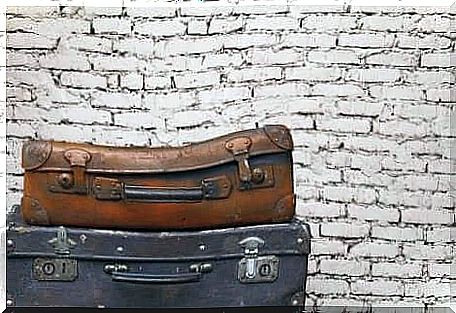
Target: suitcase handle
x,y
140,278
113,189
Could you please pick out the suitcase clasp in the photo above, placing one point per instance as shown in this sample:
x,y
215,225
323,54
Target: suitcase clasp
x,y
256,269
239,147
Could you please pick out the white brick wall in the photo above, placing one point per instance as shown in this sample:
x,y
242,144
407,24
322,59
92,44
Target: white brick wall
x,y
367,93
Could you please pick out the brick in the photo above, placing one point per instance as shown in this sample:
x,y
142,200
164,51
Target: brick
x,y
440,95
157,82
373,75
345,230
132,81
103,11
192,118
58,95
306,192
437,60
397,233
369,144
426,42
254,74
344,267
328,247
36,11
164,11
225,25
435,23
113,80
304,106
290,89
54,28
119,137
197,27
403,23
410,270
347,194
441,270
373,213
82,115
377,287
138,120
140,47
422,216
243,41
293,121
340,90
225,94
83,80
427,252
206,10
273,57
399,92
29,41
440,235
329,22
63,132
68,61
366,40
222,60
317,175
333,56
319,209
441,126
88,43
431,78
188,46
259,9
402,128
441,166
296,9
308,40
423,111
194,80
116,100
418,183
271,23
169,101
428,289
344,125
111,25
360,108
111,63
19,59
327,286
392,59
18,94
374,249
312,74
160,28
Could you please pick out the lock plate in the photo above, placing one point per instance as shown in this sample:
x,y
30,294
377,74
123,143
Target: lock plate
x,y
267,270
55,269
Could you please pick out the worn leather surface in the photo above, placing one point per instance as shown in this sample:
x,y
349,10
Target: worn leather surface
x,y
62,183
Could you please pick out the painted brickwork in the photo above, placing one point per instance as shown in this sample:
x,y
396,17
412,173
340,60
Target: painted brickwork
x,y
366,92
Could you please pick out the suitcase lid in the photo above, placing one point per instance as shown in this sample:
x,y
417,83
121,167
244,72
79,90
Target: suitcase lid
x,y
36,241
60,156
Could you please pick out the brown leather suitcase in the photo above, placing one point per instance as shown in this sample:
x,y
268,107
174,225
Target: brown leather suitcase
x,y
237,179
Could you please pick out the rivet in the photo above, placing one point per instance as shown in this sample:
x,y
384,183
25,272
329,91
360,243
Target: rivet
x,y
83,238
294,302
120,249
300,240
202,247
9,302
225,186
246,142
101,306
277,139
9,243
230,145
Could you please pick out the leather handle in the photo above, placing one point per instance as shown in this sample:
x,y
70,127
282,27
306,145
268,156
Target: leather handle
x,y
113,189
140,193
141,278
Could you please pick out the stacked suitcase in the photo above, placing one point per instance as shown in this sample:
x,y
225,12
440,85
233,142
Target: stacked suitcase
x,y
205,225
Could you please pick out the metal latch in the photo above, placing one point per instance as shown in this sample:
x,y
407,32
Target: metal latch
x,y
62,243
253,268
239,147
58,269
